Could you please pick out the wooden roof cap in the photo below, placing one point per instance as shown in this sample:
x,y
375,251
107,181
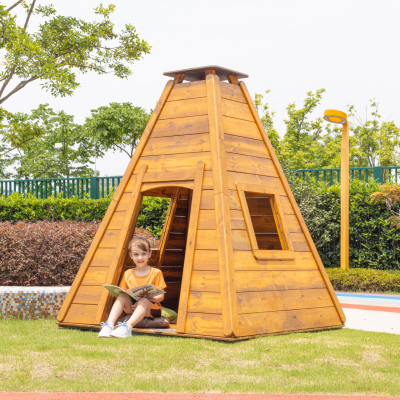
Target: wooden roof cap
x,y
198,74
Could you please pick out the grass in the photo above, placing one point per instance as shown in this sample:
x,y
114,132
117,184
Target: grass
x,y
39,356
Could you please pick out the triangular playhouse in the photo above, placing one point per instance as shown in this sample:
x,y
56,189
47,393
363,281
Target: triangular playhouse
x,y
236,254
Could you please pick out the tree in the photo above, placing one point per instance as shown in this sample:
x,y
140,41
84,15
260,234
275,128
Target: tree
x,y
62,46
267,120
310,143
39,158
116,127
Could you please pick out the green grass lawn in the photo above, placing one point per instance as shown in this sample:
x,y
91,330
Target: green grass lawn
x,y
39,356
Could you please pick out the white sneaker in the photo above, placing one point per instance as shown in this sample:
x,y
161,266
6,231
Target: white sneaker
x,y
123,330
107,328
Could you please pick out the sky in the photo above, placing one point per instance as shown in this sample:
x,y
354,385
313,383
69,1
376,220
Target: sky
x,y
350,48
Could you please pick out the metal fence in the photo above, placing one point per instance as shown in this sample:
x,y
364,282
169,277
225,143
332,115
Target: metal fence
x,y
332,175
94,187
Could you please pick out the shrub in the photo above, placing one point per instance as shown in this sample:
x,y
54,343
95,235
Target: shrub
x,y
374,241
19,207
364,280
46,253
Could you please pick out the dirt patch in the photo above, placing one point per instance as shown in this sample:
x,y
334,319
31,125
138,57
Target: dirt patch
x,y
42,371
373,357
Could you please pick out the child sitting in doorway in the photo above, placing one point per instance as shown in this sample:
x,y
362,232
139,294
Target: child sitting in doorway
x,y
142,273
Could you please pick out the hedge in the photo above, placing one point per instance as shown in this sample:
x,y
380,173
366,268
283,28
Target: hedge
x,y
19,207
45,253
374,241
364,280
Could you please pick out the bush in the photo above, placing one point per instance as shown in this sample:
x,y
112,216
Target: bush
x,y
19,207
46,253
374,241
43,253
364,280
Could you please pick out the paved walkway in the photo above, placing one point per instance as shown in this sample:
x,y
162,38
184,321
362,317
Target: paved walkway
x,y
371,312
181,396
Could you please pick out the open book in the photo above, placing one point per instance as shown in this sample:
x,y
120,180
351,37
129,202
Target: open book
x,y
148,291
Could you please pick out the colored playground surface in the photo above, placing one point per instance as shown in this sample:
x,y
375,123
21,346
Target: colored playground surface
x,y
371,312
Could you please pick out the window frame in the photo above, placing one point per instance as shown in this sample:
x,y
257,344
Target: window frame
x,y
288,252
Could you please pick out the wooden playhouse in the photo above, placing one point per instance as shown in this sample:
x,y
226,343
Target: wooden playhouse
x,y
236,254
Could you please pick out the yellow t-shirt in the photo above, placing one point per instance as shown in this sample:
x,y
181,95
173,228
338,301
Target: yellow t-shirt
x,y
155,276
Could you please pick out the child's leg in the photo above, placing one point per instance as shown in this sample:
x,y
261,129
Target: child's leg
x,y
122,303
143,309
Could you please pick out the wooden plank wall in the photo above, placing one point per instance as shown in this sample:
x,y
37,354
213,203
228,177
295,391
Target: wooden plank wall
x,y
84,306
179,140
273,296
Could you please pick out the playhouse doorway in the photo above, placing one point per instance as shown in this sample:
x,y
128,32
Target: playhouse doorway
x,y
169,255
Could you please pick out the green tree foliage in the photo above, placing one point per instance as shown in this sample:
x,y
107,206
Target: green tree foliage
x,y
312,143
61,47
38,157
116,127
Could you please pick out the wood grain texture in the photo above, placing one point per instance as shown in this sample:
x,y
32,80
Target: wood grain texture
x,y
223,202
237,219
245,146
245,261
102,258
175,162
205,281
286,206
276,300
208,200
206,240
238,127
231,92
190,248
189,90
264,224
124,202
293,202
81,314
207,219
270,184
176,176
110,238
173,257
181,126
258,205
184,108
206,260
268,241
250,165
164,189
259,281
293,224
88,294
205,302
116,220
240,239
236,110
95,276
299,242
206,324
177,144
288,321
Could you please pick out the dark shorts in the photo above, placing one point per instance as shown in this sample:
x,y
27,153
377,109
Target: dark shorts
x,y
155,313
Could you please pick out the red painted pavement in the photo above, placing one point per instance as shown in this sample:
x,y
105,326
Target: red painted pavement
x,y
371,308
179,396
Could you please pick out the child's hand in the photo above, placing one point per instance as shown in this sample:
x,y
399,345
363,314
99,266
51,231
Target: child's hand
x,y
133,306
